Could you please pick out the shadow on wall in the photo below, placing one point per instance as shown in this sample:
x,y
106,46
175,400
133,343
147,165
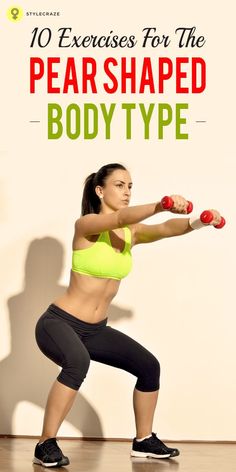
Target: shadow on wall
x,y
26,374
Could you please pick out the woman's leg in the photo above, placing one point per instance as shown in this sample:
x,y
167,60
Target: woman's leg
x,y
144,404
112,347
59,403
58,341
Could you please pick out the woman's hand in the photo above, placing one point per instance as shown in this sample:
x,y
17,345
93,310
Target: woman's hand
x,y
180,204
217,217
207,218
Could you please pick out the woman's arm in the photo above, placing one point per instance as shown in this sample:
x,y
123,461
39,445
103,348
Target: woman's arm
x,y
96,223
174,227
150,233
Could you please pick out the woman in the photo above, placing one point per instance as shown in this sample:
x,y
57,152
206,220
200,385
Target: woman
x,y
74,328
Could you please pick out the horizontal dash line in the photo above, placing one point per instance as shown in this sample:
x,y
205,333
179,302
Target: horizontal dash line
x,y
200,121
34,121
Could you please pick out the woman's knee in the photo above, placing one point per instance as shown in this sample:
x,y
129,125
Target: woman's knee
x,y
59,342
149,378
74,371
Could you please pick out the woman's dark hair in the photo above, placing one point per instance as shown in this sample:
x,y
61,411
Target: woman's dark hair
x,y
90,201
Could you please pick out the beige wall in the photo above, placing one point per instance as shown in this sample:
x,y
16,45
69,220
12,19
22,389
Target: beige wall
x,y
179,299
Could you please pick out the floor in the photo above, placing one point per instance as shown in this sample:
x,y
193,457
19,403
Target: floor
x,y
114,456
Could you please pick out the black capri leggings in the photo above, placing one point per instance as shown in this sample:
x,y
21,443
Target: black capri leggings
x,y
71,343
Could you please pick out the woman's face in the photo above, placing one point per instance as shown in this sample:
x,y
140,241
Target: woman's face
x,y
116,192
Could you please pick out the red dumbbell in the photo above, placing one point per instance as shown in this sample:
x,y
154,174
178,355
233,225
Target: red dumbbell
x,y
207,216
167,204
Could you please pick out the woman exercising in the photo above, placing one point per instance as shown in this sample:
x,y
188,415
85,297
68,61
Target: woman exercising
x,y
74,328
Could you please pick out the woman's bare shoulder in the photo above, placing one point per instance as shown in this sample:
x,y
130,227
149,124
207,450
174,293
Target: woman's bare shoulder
x,y
94,223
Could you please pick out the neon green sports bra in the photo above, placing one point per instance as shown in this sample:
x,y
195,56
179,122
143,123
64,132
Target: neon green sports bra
x,y
102,260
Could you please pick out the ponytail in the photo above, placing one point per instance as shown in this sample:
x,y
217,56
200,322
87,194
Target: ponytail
x,y
90,201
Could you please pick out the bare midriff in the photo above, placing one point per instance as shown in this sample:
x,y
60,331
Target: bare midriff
x,y
88,297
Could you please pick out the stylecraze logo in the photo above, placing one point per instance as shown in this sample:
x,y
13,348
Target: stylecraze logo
x,y
14,13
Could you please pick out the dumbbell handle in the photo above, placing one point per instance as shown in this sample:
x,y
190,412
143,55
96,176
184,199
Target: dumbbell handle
x,y
168,202
207,216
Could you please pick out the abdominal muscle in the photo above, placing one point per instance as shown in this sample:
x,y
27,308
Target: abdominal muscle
x,y
88,297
